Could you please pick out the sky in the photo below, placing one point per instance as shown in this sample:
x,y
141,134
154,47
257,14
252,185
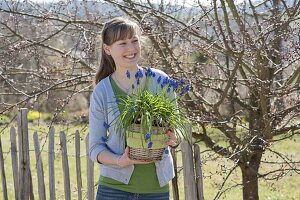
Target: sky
x,y
191,2
180,2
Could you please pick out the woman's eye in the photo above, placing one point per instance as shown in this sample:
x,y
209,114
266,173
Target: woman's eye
x,y
135,41
123,43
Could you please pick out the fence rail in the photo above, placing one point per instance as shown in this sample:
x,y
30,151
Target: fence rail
x,y
22,177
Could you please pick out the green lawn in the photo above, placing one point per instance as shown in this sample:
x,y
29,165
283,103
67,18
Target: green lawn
x,y
214,169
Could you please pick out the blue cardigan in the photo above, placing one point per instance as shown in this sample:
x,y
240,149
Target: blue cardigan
x,y
101,102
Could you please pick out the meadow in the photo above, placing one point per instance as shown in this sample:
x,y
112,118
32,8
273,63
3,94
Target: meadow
x,y
215,169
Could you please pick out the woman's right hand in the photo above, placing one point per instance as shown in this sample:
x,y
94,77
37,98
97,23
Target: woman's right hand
x,y
124,160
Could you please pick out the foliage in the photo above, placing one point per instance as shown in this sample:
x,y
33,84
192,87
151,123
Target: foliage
x,y
283,188
34,115
4,119
158,109
47,116
249,89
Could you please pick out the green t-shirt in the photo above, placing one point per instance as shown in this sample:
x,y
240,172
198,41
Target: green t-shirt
x,y
144,178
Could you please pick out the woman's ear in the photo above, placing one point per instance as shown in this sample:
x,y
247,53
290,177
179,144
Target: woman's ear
x,y
106,49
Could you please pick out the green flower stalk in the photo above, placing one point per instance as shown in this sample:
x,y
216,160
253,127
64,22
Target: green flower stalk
x,y
149,109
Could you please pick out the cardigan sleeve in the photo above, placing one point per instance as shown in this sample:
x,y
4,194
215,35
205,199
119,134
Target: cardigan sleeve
x,y
97,125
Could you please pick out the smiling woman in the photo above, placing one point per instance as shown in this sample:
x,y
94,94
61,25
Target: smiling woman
x,y
125,53
122,176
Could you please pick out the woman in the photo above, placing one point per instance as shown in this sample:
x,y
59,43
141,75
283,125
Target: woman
x,y
121,177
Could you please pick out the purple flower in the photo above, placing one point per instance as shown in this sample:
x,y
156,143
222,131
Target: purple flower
x,y
106,125
148,136
187,88
132,109
149,72
175,85
159,79
128,74
166,151
150,145
169,89
182,82
132,86
139,74
166,81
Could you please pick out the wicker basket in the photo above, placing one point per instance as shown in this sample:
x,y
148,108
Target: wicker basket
x,y
141,151
144,154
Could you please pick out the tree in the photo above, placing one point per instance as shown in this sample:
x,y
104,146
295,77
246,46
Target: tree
x,y
48,53
253,72
242,61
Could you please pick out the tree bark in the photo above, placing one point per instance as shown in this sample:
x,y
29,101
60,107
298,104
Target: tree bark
x,y
250,177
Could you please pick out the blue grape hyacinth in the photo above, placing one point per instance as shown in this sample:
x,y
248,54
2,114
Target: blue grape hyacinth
x,y
147,136
150,145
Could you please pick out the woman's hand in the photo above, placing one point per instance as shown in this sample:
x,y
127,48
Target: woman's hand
x,y
172,142
124,160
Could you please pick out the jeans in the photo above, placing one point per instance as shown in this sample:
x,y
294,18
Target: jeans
x,y
107,193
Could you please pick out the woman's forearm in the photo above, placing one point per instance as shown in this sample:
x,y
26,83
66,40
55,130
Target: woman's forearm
x,y
108,158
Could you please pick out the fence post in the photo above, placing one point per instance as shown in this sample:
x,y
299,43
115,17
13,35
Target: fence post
x,y
65,165
24,165
51,164
188,168
90,172
4,186
39,167
78,165
198,169
14,160
175,179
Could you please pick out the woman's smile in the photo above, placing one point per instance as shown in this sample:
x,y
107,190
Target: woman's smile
x,y
130,56
125,53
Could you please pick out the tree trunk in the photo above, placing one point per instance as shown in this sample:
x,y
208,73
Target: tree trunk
x,y
250,178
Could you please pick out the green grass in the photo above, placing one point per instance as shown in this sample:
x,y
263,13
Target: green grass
x,y
59,182
283,188
215,169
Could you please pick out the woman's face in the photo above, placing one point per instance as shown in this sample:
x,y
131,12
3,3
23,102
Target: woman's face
x,y
126,53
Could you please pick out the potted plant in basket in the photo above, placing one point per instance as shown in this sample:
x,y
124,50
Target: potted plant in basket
x,y
147,115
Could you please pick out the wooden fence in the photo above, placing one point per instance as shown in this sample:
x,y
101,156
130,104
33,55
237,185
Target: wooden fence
x,y
22,177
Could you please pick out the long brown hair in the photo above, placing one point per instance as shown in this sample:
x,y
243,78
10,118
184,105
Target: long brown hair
x,y
118,28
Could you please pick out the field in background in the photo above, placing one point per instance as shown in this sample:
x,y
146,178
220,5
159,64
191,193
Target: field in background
x,y
283,188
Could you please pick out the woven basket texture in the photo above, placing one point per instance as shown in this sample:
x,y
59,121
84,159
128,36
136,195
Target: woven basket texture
x,y
146,154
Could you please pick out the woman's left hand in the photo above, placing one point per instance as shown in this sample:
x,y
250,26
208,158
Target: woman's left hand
x,y
172,138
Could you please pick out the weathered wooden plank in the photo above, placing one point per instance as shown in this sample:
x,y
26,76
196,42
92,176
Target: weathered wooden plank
x,y
175,179
51,164
188,169
14,159
65,165
198,170
24,165
39,167
90,172
2,169
78,165
31,195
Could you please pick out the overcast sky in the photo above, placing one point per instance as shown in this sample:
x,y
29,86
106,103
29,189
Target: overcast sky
x,y
186,2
